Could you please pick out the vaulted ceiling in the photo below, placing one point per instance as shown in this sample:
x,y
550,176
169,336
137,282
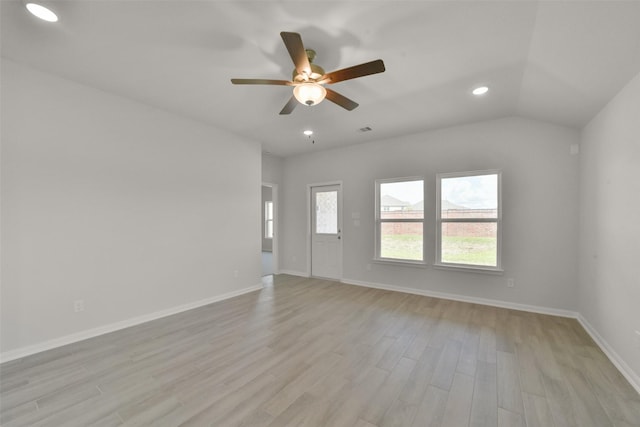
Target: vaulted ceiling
x,y
558,61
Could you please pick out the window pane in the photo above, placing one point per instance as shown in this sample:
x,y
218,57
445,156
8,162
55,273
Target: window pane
x,y
470,243
402,200
469,197
401,240
268,220
327,212
268,210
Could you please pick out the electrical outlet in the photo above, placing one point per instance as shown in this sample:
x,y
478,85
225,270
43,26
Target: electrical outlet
x,y
638,339
78,305
235,273
368,267
511,283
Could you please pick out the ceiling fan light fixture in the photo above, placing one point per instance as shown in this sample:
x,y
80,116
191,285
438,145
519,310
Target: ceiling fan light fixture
x,y
308,78
42,12
309,93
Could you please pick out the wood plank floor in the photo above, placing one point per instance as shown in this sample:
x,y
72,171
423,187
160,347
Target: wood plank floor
x,y
307,352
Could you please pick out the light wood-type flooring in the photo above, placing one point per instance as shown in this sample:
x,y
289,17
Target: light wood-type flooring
x,y
308,352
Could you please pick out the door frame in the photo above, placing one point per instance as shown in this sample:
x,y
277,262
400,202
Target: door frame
x,y
310,222
276,234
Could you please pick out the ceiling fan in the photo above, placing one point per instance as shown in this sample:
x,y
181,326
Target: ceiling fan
x,y
308,78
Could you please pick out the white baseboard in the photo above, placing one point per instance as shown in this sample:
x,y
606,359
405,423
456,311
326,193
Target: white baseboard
x,y
464,298
618,362
294,273
101,330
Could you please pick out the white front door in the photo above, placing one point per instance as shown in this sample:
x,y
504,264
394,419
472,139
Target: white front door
x,y
326,231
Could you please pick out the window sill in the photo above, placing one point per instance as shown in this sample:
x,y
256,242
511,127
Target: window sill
x,y
470,269
400,263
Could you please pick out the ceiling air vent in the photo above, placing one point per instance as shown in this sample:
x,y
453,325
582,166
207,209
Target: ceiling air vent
x,y
365,129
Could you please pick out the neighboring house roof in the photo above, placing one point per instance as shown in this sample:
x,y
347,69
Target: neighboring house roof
x,y
418,206
392,201
447,205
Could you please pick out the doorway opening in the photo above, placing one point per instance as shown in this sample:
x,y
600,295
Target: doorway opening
x,y
269,238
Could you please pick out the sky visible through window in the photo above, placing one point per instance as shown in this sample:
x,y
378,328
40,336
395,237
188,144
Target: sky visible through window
x,y
474,192
407,191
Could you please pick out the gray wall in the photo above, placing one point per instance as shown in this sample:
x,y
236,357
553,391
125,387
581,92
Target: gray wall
x,y
610,224
271,169
540,193
118,204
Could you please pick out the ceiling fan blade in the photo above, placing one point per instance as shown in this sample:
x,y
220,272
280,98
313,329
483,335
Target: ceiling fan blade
x,y
288,108
261,82
365,69
294,45
341,100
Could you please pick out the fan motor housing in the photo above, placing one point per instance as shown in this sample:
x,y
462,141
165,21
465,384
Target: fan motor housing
x,y
316,70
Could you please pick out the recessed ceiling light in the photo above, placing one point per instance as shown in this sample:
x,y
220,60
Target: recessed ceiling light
x,y
480,90
308,132
42,12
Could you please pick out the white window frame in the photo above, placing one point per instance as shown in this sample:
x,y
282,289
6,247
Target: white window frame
x,y
379,221
268,219
439,221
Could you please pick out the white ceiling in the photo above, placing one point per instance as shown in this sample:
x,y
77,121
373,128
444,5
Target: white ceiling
x,y
558,61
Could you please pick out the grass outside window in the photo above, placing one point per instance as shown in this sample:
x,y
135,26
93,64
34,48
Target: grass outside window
x,y
469,250
402,246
